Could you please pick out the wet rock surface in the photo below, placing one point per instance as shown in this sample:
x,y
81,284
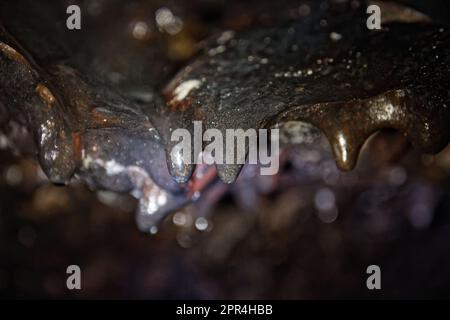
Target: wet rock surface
x,y
107,118
347,81
98,105
308,233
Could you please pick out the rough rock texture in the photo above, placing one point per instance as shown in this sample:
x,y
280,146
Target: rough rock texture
x,y
97,103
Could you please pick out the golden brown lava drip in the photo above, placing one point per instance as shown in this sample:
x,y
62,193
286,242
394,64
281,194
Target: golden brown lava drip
x,y
349,82
339,76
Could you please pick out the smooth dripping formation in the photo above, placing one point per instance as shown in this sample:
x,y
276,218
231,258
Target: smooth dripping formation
x,y
345,80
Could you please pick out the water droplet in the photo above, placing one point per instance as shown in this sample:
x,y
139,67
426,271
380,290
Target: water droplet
x,y
335,36
153,230
201,224
140,30
324,200
14,175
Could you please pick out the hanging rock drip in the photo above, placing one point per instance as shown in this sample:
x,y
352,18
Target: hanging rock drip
x,y
346,80
81,126
101,104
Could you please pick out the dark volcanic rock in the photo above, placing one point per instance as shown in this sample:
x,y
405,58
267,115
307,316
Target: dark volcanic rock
x,y
93,103
339,76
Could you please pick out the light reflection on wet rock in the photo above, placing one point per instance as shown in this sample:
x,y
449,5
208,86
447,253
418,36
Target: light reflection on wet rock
x,y
347,88
107,118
